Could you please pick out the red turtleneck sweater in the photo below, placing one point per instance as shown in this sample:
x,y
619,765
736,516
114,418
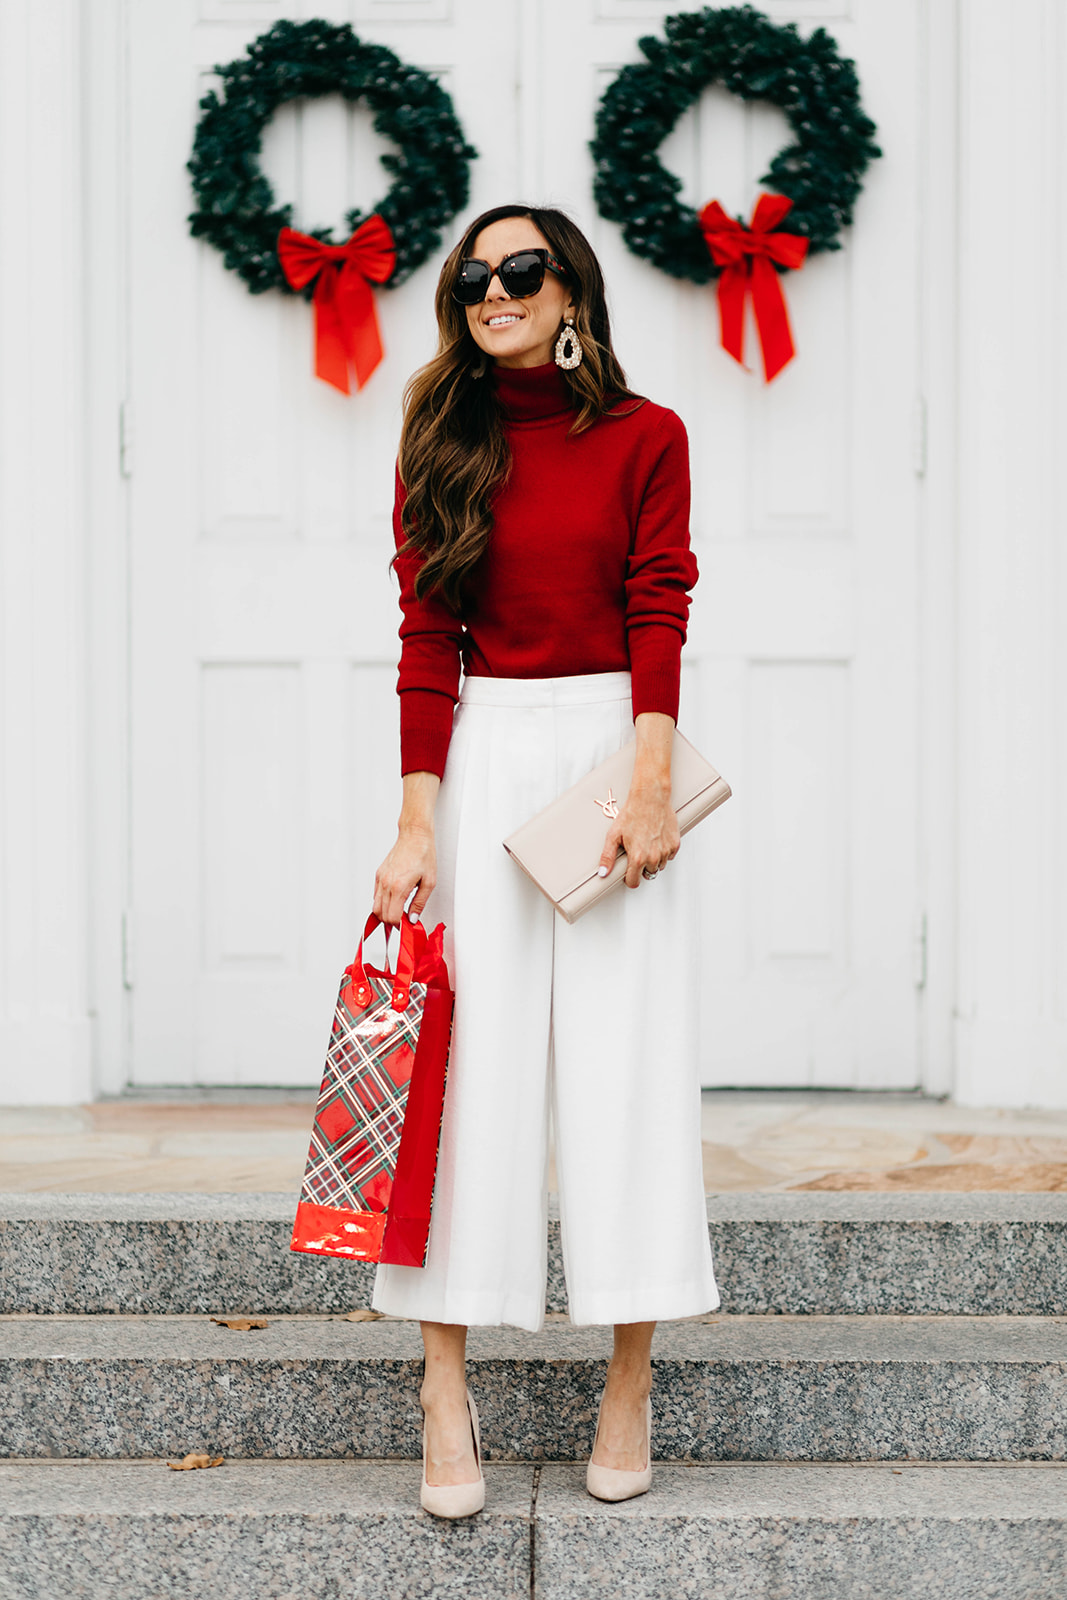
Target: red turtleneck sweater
x,y
587,569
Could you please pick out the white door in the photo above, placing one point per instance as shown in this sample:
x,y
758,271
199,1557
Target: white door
x,y
264,624
800,677
265,754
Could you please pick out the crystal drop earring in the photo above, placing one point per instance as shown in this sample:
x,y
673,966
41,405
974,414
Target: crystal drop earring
x,y
570,358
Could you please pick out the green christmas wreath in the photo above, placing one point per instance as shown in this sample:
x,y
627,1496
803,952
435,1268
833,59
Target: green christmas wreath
x,y
236,210
757,59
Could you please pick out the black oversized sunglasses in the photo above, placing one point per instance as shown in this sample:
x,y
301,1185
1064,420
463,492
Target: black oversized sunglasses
x,y
522,275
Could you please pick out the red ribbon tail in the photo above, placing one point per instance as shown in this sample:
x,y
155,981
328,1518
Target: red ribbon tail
x,y
772,318
733,286
360,318
331,346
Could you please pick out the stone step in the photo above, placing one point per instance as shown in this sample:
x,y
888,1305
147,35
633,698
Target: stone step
x,y
249,1530
736,1388
274,1530
813,1253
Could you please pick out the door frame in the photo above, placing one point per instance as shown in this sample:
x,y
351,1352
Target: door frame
x,y
108,925
110,928
937,454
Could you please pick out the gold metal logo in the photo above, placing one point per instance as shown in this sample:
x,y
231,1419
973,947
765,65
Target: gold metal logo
x,y
610,806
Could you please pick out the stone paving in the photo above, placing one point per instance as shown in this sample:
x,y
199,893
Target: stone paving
x,y
243,1141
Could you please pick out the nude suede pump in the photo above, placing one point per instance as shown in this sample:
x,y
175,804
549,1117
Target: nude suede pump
x,y
455,1499
611,1483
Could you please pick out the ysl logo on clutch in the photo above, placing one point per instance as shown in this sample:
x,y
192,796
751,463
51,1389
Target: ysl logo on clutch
x,y
610,806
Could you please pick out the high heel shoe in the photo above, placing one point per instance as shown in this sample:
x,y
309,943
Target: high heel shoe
x,y
455,1499
612,1483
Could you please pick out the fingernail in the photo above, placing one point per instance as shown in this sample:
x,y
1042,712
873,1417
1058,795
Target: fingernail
x,y
601,872
413,916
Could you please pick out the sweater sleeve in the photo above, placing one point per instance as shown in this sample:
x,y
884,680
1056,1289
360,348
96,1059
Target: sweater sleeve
x,y
431,637
661,571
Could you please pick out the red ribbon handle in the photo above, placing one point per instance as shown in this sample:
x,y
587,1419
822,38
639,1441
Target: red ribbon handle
x,y
413,944
747,257
346,322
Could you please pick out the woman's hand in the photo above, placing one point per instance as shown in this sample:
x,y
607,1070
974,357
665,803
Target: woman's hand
x,y
412,862
647,829
646,826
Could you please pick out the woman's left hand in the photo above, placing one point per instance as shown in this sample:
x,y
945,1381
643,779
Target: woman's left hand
x,y
646,826
647,829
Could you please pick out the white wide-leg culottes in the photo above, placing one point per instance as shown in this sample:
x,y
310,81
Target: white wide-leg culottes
x,y
592,1023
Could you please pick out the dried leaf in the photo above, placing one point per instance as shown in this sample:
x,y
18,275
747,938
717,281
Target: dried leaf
x,y
241,1323
707,1319
188,1463
362,1315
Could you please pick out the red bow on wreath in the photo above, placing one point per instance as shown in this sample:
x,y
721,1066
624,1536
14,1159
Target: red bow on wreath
x,y
346,323
746,256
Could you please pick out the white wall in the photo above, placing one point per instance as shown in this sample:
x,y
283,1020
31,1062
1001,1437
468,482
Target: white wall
x,y
994,753
1011,1024
44,1004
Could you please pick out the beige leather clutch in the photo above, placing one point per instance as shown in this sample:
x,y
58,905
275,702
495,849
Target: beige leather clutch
x,y
560,847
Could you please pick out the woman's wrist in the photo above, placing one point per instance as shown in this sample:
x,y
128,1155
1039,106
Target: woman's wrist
x,y
655,783
415,827
420,799
652,760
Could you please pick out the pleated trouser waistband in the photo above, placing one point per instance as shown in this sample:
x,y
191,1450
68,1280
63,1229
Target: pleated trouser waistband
x,y
588,688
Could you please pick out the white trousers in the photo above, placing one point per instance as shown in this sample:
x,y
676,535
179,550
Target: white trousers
x,y
593,1023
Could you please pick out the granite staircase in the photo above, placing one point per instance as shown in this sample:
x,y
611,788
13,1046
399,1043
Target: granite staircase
x,y
879,1409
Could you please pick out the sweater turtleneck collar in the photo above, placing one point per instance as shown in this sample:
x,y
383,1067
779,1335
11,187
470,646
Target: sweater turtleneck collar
x,y
530,394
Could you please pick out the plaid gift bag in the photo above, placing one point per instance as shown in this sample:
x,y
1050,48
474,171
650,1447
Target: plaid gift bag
x,y
370,1170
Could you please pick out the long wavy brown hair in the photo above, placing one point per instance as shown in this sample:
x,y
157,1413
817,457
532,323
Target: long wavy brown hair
x,y
453,451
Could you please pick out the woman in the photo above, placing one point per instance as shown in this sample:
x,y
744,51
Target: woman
x,y
541,522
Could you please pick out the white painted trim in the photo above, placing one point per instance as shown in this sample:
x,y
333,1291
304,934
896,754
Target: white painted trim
x,y
936,333
105,301
529,68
